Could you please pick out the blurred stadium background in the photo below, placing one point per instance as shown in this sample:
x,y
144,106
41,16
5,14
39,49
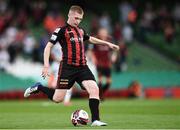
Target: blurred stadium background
x,y
149,31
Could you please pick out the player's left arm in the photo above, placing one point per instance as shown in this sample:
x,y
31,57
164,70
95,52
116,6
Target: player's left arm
x,y
102,42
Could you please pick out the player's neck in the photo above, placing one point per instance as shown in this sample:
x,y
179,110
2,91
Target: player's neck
x,y
69,23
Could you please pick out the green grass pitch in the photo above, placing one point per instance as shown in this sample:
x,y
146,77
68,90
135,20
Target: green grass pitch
x,y
119,114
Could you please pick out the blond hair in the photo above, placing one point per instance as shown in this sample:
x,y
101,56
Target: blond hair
x,y
76,8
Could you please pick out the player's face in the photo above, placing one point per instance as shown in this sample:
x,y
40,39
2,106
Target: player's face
x,y
74,18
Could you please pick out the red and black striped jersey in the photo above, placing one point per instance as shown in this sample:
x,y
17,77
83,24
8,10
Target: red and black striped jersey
x,y
71,40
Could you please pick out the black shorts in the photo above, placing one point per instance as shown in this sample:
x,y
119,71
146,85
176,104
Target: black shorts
x,y
104,71
69,74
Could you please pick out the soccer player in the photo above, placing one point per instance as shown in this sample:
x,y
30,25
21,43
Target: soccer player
x,y
103,62
73,66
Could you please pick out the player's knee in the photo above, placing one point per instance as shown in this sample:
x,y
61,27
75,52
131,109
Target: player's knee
x,y
57,99
94,91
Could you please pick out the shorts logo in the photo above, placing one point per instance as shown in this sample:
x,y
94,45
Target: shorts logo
x,y
63,81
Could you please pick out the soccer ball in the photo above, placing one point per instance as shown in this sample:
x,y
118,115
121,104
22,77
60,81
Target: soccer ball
x,y
79,117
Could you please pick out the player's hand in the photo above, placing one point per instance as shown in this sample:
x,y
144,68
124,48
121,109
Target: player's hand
x,y
45,72
114,47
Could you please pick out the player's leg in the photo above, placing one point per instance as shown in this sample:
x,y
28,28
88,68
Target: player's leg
x,y
56,95
36,88
93,90
87,81
59,95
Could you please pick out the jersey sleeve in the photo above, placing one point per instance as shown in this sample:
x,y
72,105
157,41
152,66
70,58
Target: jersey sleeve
x,y
56,36
85,36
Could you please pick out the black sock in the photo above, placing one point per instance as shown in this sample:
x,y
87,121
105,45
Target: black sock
x,y
48,91
94,107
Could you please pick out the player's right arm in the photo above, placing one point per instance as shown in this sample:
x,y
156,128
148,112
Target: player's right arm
x,y
47,52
